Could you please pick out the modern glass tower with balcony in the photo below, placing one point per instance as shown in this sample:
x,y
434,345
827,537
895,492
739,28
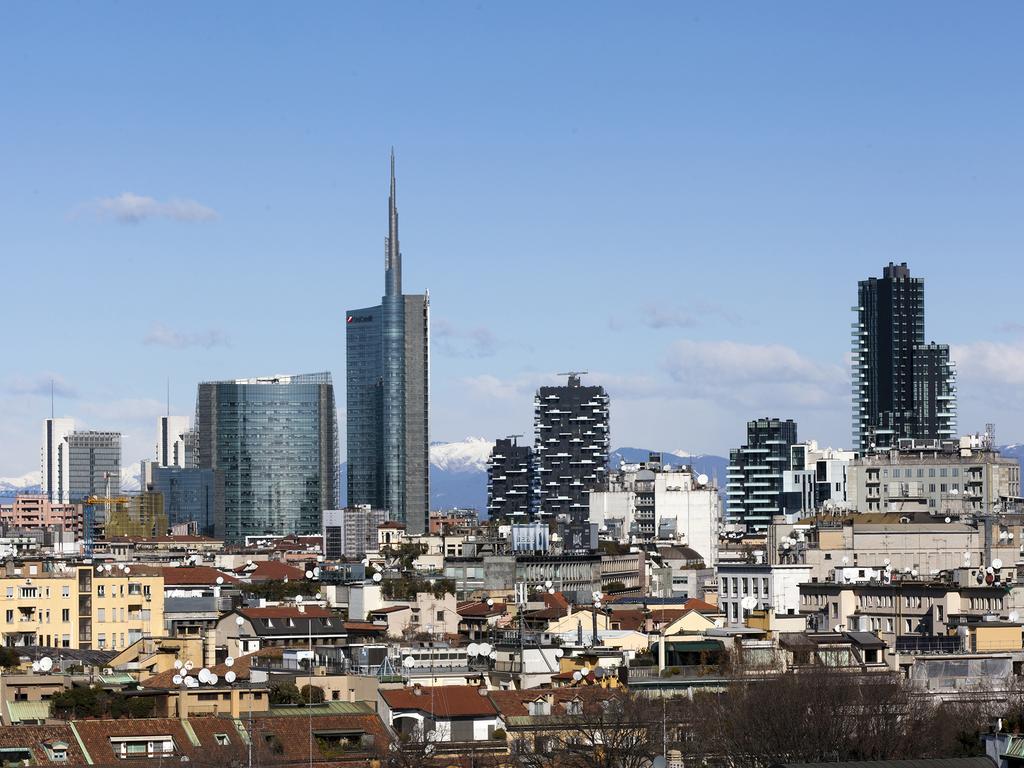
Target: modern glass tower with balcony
x,y
274,440
754,490
387,394
902,387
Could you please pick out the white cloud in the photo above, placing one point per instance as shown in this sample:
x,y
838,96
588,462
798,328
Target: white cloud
x,y
41,385
162,336
463,342
756,376
129,208
990,362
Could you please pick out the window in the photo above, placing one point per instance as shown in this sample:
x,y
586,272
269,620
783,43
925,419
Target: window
x,y
222,739
440,616
102,641
101,590
56,750
29,592
539,707
10,617
574,707
10,592
65,591
101,615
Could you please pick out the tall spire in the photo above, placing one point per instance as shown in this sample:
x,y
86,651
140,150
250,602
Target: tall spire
x,y
392,254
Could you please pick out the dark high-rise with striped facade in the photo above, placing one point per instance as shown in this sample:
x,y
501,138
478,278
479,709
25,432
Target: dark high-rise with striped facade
x,y
902,387
387,394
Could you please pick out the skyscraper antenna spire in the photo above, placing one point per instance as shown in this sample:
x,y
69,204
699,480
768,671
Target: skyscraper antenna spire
x,y
392,252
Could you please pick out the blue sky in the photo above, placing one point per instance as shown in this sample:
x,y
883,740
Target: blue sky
x,y
678,198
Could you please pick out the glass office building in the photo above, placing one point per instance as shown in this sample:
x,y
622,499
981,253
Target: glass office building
x,y
275,440
387,390
191,495
94,464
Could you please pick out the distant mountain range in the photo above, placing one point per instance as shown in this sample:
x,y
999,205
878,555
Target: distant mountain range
x,y
458,471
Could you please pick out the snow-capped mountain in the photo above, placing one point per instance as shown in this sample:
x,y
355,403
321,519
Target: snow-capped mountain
x,y
25,483
469,455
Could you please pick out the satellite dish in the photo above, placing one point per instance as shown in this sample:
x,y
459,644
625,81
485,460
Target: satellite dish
x,y
1014,616
749,602
35,666
229,676
914,573
177,679
191,682
177,664
949,519
99,569
203,674
492,655
473,649
319,596
299,598
239,620
46,664
485,649
548,584
559,653
220,579
377,577
997,563
127,570
989,569
887,561
188,666
408,662
490,602
229,661
302,608
309,574
577,675
702,479
551,590
212,678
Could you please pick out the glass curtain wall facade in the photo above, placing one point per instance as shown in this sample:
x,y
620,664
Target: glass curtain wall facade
x,y
275,442
94,458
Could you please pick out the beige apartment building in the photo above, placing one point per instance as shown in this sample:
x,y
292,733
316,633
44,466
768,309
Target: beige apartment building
x,y
79,606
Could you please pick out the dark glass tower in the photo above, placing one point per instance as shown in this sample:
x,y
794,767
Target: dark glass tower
x,y
754,491
902,388
275,441
387,394
571,445
510,482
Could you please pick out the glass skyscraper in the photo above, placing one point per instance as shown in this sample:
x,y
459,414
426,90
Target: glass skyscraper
x,y
387,394
275,441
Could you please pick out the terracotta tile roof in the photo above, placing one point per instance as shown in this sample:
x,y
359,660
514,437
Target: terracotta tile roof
x,y
666,615
202,575
442,701
276,740
33,737
392,524
516,703
555,607
696,604
628,618
480,609
284,739
365,626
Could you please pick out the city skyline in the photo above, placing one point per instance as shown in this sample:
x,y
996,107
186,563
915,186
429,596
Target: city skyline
x,y
198,265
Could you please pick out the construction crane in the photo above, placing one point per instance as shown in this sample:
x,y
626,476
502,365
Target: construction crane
x,y
89,514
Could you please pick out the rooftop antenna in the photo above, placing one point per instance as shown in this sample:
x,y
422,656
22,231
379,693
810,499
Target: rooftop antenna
x,y
513,438
574,377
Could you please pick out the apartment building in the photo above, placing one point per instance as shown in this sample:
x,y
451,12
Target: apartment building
x,y
83,607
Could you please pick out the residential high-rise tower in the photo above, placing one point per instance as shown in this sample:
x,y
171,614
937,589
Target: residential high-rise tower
x,y
902,387
571,440
55,469
387,394
510,481
754,493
